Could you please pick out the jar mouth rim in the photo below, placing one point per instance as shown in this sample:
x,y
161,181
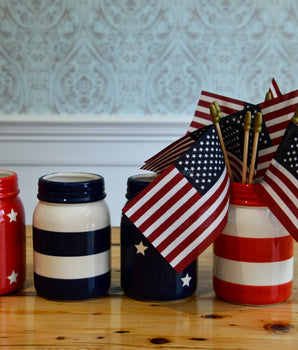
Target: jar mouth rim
x,y
145,177
6,173
69,177
71,187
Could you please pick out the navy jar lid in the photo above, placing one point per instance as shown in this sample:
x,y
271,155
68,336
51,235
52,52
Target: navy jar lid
x,y
136,184
71,188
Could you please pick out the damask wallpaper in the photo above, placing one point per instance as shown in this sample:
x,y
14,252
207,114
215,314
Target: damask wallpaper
x,y
148,57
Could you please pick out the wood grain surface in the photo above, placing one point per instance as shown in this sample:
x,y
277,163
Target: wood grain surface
x,y
118,322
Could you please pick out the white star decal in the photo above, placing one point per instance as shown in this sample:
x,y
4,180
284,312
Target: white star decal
x,y
186,280
13,277
12,216
141,248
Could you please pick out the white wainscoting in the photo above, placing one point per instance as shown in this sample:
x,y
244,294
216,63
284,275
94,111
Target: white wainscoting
x,y
112,146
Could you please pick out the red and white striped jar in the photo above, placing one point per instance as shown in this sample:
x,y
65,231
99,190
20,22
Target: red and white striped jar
x,y
254,255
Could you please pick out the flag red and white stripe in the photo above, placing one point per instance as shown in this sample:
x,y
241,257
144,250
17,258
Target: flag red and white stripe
x,y
202,114
276,114
279,191
185,208
168,155
176,219
274,89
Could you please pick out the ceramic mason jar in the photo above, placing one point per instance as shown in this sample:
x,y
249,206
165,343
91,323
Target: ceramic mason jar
x,y
253,257
145,274
12,234
71,237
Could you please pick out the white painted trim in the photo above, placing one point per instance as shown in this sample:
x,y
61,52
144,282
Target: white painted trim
x,y
81,128
113,146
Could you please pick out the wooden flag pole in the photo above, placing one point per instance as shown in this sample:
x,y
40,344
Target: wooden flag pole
x,y
246,128
257,128
215,118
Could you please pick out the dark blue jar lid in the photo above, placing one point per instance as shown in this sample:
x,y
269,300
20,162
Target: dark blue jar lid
x,y
136,184
71,188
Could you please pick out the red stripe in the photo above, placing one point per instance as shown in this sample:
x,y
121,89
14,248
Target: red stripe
x,y
259,250
225,107
267,157
148,188
252,295
276,210
184,225
167,206
283,178
280,192
281,126
280,99
155,197
204,225
173,145
274,89
204,245
168,158
172,219
222,98
224,103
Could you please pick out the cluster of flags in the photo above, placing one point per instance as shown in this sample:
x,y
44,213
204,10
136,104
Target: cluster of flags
x,y
186,207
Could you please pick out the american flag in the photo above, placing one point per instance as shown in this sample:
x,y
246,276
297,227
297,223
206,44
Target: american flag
x,y
279,188
185,208
227,105
276,114
168,155
202,114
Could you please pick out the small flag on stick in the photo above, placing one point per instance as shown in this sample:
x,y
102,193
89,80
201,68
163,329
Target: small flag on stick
x,y
279,189
185,208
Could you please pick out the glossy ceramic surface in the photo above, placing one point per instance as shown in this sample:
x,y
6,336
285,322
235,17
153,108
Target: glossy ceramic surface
x,y
253,257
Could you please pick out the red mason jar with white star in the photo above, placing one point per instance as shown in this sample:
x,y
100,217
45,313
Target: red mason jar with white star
x,y
12,234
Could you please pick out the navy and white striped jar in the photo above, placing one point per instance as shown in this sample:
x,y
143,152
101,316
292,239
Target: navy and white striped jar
x,y
71,237
145,274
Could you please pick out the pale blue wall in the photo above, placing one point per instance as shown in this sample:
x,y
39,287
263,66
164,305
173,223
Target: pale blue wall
x,y
142,56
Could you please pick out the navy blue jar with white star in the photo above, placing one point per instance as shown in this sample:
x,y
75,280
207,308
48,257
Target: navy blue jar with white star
x,y
145,274
71,237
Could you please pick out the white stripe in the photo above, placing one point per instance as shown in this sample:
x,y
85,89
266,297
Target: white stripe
x,y
203,236
223,103
281,204
151,193
280,105
290,177
267,151
276,135
279,120
265,223
189,212
273,91
254,274
201,121
152,209
170,212
73,267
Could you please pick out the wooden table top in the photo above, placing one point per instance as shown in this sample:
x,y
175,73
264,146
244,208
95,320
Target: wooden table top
x,y
118,322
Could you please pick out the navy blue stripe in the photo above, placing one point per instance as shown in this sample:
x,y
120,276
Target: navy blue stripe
x,y
71,243
78,289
